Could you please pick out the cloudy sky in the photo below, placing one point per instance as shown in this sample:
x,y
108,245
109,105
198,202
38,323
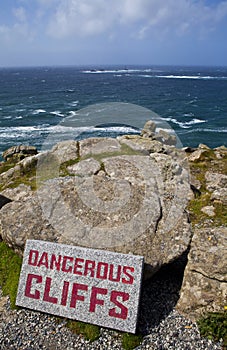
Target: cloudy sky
x,y
80,32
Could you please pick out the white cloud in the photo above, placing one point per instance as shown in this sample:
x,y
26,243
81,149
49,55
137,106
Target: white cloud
x,y
20,14
62,19
143,17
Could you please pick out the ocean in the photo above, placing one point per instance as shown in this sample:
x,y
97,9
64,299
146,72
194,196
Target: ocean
x,y
41,106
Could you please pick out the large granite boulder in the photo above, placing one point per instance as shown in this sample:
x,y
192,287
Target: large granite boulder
x,y
204,286
114,197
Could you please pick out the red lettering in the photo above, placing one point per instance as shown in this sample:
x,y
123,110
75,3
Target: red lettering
x,y
123,309
94,301
117,276
64,294
46,296
102,270
78,266
54,263
33,257
75,296
36,294
43,260
66,268
130,279
89,268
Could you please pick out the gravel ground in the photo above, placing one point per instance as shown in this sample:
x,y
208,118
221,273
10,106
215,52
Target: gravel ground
x,y
163,328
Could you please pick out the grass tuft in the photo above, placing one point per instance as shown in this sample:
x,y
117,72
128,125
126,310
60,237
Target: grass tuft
x,y
214,327
10,265
131,341
89,331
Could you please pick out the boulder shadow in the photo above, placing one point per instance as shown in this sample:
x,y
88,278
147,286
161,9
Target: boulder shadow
x,y
160,293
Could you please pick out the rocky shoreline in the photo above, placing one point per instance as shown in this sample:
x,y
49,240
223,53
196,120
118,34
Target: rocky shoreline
x,y
182,194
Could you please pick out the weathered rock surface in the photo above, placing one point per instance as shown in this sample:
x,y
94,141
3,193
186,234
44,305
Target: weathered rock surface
x,y
217,184
19,152
141,144
17,193
148,130
196,155
128,203
204,287
165,138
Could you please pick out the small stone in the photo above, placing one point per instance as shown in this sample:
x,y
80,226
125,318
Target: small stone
x,y
209,210
197,155
203,146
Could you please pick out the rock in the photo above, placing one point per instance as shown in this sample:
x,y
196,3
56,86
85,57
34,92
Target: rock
x,y
86,167
27,223
209,210
220,152
215,181
165,138
126,203
141,144
217,184
148,130
18,193
202,146
204,287
94,146
65,151
220,196
197,155
19,152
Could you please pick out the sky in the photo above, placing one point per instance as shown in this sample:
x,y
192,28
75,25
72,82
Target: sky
x,y
107,32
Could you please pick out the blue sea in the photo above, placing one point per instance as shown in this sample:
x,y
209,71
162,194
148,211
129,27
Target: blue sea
x,y
41,106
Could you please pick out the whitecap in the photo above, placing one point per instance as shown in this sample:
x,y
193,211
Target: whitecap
x,y
73,103
57,113
38,111
185,125
72,113
190,77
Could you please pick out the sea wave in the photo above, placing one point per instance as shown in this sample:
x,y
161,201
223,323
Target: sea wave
x,y
57,113
188,77
38,111
119,71
73,103
206,130
186,124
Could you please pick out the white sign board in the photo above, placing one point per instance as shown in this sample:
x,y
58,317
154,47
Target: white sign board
x,y
94,286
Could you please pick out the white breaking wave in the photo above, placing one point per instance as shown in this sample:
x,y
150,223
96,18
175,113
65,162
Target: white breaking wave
x,y
38,111
119,71
72,114
186,77
185,125
219,130
73,103
58,113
